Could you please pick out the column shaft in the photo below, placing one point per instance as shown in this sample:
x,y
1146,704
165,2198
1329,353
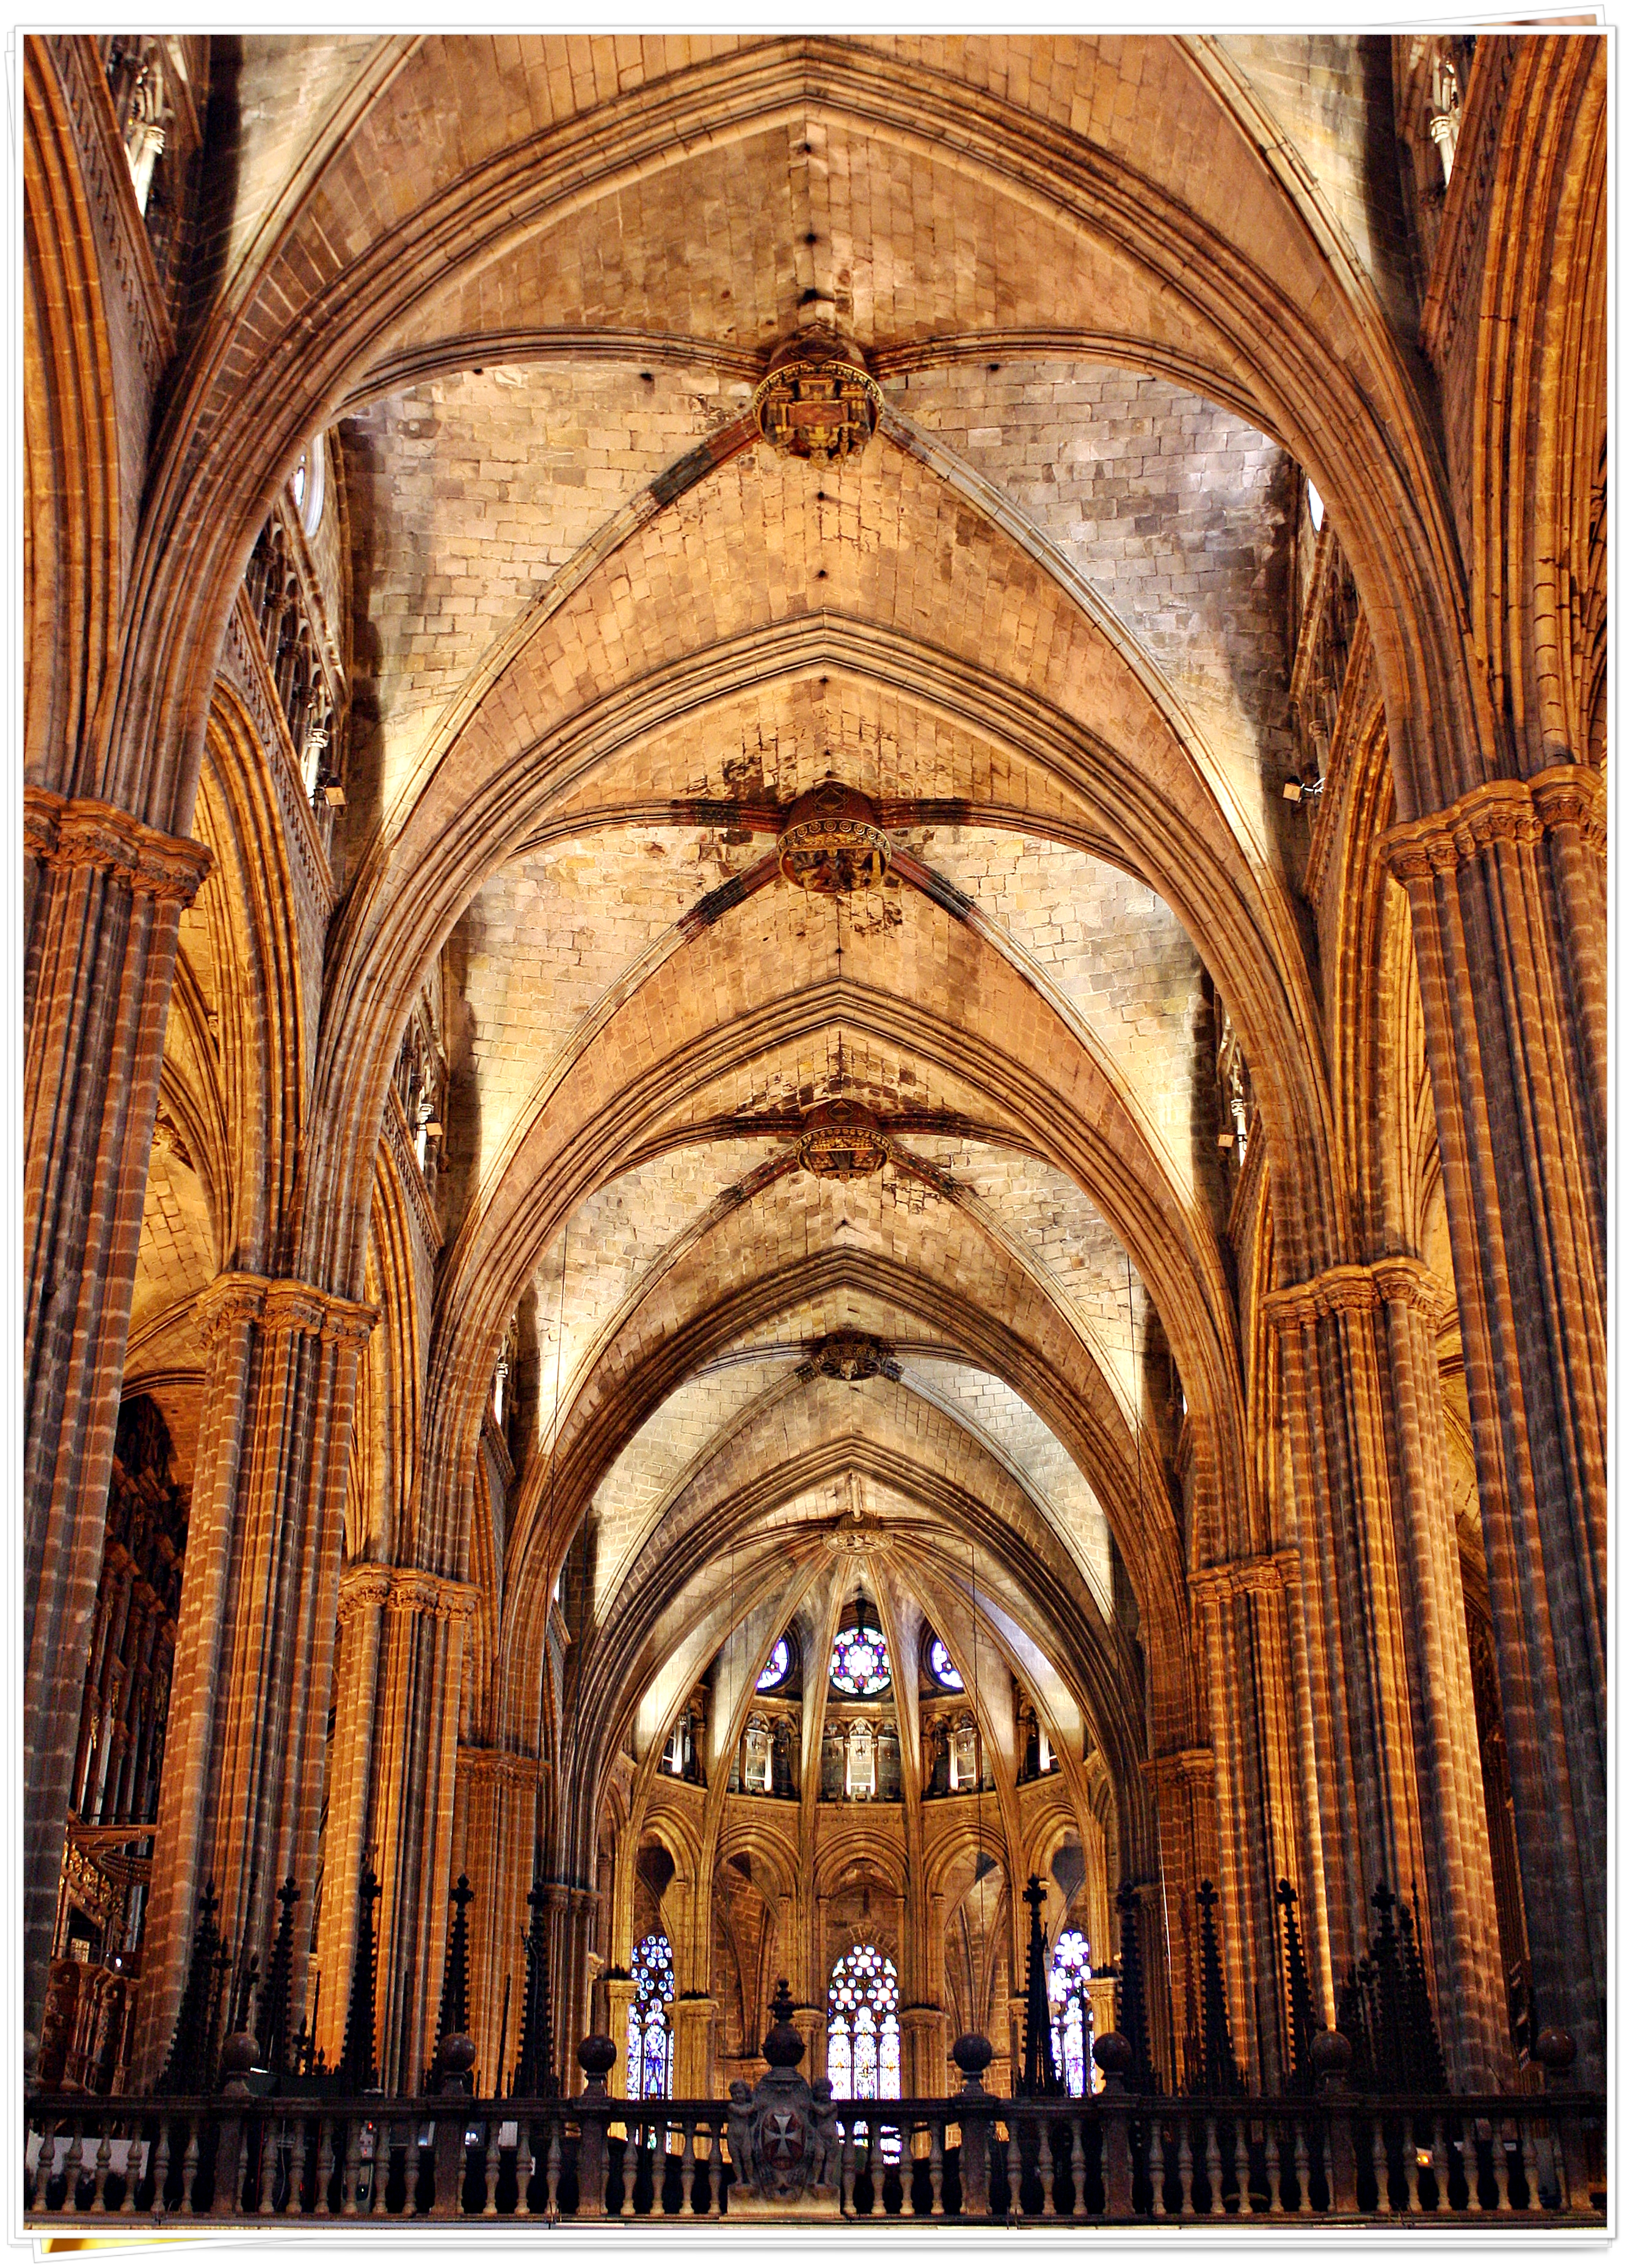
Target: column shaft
x,y
1506,919
496,1851
1395,1735
347,1830
103,896
245,1750
418,1712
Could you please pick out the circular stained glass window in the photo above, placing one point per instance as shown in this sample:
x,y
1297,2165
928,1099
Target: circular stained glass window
x,y
943,1668
858,1660
777,1667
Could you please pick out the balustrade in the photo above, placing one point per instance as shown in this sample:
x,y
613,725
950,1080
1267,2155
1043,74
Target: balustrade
x,y
1505,2159
281,609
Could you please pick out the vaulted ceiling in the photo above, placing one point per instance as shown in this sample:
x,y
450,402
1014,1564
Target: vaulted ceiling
x,y
605,635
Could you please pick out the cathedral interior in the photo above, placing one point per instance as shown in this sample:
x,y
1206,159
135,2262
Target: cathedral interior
x,y
737,1292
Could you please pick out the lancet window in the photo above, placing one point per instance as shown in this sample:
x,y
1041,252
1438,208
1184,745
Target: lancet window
x,y
863,2057
861,1758
757,1778
648,2042
1069,1997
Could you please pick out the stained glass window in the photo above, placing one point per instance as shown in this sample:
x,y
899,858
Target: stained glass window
x,y
777,1667
858,1660
648,2027
1072,2022
862,2060
943,1668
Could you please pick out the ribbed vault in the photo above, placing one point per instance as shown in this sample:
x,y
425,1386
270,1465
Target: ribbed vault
x,y
501,1034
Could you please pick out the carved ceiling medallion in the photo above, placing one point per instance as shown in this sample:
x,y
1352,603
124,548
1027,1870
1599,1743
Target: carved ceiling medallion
x,y
831,842
818,401
857,1531
840,1142
853,1356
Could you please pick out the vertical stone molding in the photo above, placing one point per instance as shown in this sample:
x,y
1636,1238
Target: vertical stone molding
x,y
570,1920
496,1805
347,1844
255,1640
618,1994
693,2042
1186,1816
416,1717
102,898
1400,1787
1506,914
924,2031
1265,1826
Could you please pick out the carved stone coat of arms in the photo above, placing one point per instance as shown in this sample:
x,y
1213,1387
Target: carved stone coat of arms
x,y
782,2138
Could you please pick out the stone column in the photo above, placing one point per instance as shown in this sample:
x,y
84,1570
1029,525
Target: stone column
x,y
496,1853
1011,2050
932,1973
1165,1954
926,2049
1508,917
1268,1813
245,1750
1396,1746
364,1588
821,1969
570,1915
1186,1815
412,1811
102,897
693,2020
618,1994
810,2022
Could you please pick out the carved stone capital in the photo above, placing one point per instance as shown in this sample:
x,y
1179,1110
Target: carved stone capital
x,y
365,1585
418,1591
1499,811
231,1299
1183,1768
1406,1280
1571,795
372,1584
305,1307
499,1767
82,832
1267,1572
280,1304
1352,1288
1344,1290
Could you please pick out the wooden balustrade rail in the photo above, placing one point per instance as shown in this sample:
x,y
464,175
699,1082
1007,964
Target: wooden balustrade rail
x,y
1500,2159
